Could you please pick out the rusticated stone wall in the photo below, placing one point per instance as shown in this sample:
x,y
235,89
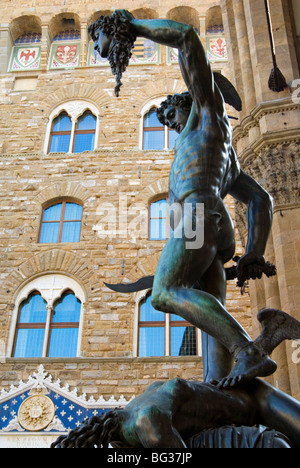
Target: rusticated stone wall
x,y
29,179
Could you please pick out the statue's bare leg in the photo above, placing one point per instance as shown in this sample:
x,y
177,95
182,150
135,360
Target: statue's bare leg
x,y
178,269
217,360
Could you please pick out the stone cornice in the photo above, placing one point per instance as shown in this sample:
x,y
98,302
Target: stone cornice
x,y
266,142
131,151
262,109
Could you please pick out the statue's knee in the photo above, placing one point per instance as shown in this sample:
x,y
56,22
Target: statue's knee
x,y
159,299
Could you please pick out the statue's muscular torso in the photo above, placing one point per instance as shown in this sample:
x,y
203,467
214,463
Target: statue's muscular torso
x,y
205,161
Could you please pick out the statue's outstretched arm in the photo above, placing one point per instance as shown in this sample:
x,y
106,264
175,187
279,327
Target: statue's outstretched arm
x,y
195,67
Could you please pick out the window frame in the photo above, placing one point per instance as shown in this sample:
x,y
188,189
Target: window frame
x,y
154,103
163,128
27,325
61,221
167,324
59,325
154,200
74,109
62,132
152,129
83,132
51,287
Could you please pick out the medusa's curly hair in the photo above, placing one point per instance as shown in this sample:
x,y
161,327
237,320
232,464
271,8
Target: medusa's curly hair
x,y
183,100
118,27
95,432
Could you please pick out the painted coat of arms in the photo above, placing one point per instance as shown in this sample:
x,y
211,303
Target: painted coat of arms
x,y
66,53
216,48
25,58
65,56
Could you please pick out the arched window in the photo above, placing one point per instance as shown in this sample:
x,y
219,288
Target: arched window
x,y
47,318
64,327
84,138
65,139
162,334
60,134
61,222
155,135
159,227
30,329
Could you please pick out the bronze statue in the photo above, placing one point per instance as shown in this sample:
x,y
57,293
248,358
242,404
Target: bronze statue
x,y
205,169
180,413
191,282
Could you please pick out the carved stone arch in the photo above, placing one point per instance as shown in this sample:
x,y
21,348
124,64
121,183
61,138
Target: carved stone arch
x,y
53,261
64,189
213,17
185,14
24,25
157,187
51,287
95,16
74,109
74,99
76,92
65,21
158,89
65,290
151,103
145,13
25,293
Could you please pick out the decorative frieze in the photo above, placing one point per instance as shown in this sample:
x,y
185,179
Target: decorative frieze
x,y
277,168
44,406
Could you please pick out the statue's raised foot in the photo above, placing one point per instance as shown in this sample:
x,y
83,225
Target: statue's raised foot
x,y
252,360
250,363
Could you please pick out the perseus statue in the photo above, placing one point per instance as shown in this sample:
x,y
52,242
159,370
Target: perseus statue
x,y
191,282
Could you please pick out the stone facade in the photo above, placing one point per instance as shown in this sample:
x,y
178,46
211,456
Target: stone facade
x,y
119,173
116,172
